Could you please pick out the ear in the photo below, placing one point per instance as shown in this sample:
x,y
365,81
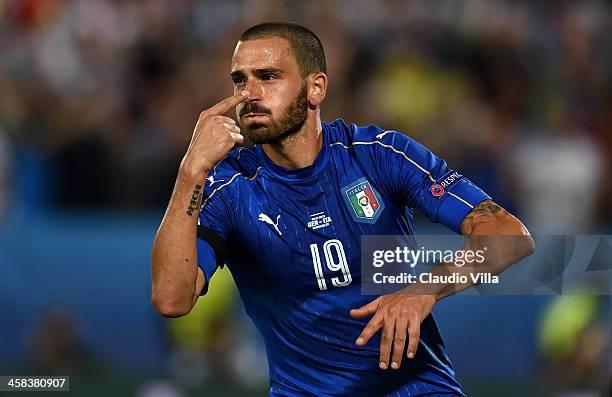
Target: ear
x,y
317,88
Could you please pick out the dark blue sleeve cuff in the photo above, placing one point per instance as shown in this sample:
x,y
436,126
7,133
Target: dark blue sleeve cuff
x,y
458,202
207,261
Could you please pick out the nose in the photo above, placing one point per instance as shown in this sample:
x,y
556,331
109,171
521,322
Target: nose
x,y
256,90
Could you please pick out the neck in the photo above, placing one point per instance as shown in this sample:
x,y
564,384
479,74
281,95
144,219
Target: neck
x,y
300,149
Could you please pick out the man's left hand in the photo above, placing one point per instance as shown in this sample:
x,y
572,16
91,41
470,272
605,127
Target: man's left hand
x,y
395,313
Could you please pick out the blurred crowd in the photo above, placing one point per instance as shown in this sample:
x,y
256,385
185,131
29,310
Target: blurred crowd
x,y
98,98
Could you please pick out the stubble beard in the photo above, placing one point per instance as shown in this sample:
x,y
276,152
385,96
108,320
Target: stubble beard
x,y
281,130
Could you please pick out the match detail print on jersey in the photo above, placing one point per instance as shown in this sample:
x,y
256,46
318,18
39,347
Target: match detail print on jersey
x,y
363,201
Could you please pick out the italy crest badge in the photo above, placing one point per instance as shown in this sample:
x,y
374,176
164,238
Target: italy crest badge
x,y
363,201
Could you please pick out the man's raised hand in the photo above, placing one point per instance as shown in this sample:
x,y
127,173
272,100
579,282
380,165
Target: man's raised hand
x,y
213,137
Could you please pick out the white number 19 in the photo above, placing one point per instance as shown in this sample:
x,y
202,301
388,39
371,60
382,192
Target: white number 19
x,y
332,265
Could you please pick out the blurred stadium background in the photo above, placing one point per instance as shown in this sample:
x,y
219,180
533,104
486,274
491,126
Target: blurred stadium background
x,y
98,99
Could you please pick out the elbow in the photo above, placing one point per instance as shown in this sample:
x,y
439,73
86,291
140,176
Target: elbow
x,y
525,245
529,244
170,308
515,237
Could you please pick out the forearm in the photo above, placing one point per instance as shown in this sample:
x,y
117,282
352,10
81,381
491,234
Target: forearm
x,y
501,239
500,252
177,280
174,267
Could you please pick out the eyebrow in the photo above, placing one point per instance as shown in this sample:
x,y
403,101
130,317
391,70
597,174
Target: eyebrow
x,y
257,72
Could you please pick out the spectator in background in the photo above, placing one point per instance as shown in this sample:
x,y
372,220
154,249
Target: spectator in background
x,y
57,348
573,340
558,179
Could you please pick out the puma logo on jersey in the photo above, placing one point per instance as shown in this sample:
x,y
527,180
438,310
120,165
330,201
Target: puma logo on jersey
x,y
212,180
379,136
265,218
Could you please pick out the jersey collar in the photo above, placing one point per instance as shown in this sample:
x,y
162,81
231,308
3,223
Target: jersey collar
x,y
299,174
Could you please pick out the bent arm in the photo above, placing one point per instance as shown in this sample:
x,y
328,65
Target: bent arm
x,y
491,228
506,238
177,279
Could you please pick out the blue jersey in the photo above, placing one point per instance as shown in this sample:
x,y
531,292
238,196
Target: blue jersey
x,y
291,239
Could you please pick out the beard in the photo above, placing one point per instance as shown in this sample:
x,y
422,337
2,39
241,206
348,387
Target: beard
x,y
277,130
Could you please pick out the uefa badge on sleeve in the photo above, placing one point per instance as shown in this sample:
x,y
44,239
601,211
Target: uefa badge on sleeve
x,y
437,190
363,201
444,183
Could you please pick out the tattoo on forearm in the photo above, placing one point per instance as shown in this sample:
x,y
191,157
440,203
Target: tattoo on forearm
x,y
487,207
481,213
196,198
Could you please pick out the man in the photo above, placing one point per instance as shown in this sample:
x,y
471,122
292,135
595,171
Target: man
x,y
286,216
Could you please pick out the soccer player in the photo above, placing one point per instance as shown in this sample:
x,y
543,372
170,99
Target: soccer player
x,y
286,216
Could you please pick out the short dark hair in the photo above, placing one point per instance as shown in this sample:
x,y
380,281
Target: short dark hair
x,y
304,45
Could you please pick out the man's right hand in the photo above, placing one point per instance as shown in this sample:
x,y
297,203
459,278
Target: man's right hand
x,y
213,137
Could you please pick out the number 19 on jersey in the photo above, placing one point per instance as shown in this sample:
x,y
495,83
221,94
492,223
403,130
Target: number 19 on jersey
x,y
335,260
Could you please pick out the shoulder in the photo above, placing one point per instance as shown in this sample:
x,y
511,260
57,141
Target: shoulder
x,y
388,149
367,137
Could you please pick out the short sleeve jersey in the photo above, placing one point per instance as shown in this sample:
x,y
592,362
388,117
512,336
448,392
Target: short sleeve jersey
x,y
291,239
